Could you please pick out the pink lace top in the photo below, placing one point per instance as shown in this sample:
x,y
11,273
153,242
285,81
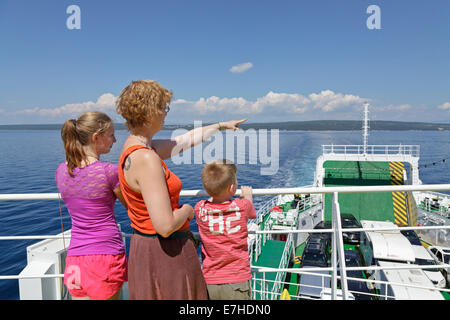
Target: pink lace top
x,y
90,200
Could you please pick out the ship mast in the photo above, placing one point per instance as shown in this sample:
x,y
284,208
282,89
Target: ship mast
x,y
365,127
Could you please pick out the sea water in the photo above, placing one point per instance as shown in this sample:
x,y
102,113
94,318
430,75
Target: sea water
x,y
29,158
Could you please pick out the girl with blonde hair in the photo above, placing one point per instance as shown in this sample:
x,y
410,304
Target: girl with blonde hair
x,y
96,265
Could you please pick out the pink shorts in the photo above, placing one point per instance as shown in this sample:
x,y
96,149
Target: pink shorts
x,y
98,276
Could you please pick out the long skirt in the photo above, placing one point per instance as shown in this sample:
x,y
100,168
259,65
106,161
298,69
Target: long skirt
x,y
164,269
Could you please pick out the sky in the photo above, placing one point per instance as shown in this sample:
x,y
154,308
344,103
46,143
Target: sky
x,y
263,60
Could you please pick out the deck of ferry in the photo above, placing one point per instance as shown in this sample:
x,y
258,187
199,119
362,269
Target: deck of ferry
x,y
382,194
396,207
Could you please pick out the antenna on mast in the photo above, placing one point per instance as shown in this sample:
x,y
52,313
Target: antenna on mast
x,y
365,127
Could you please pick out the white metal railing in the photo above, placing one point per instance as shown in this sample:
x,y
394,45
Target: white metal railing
x,y
344,269
268,191
336,229
284,261
434,202
412,150
383,295
263,210
337,241
255,247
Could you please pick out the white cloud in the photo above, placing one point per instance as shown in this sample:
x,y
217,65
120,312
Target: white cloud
x,y
106,102
286,103
328,101
445,106
293,102
239,68
281,106
235,105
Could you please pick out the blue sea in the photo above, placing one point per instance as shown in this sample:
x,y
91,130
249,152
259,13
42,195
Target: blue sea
x,y
28,161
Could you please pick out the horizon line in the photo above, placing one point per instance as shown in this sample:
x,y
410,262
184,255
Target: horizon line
x,y
246,123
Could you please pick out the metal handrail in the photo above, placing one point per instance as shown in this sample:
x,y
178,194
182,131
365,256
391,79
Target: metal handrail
x,y
128,235
276,191
372,281
413,150
308,270
255,247
284,259
268,191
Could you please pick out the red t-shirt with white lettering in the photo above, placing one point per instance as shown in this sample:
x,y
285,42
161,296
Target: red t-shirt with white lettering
x,y
223,229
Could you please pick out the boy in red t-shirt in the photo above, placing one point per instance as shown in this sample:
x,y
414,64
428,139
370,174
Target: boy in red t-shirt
x,y
222,224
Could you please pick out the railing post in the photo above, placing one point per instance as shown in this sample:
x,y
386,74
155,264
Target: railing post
x,y
385,291
339,245
333,254
254,286
263,286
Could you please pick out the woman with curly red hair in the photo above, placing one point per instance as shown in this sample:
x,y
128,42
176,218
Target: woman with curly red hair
x,y
163,262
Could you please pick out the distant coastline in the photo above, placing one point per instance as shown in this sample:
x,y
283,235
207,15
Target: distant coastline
x,y
316,125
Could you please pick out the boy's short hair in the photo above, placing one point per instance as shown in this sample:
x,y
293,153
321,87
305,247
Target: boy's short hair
x,y
218,175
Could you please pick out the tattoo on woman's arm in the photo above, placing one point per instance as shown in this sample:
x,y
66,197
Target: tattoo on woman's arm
x,y
128,164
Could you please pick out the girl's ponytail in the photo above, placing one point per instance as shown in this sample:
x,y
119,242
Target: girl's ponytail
x,y
72,145
77,133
